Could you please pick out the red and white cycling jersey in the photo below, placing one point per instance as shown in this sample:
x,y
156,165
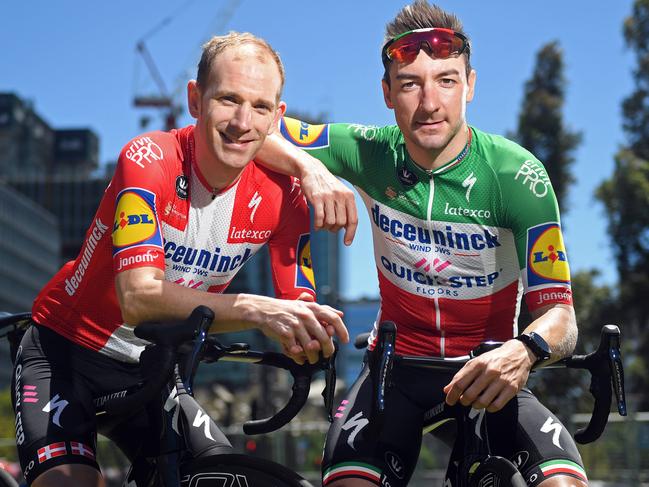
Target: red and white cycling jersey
x,y
159,211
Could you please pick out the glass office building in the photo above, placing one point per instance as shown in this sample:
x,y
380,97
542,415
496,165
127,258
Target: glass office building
x,y
29,250
29,256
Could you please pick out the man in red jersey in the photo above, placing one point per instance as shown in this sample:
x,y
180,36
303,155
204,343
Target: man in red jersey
x,y
184,212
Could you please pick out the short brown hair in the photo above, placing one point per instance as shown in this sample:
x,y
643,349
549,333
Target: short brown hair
x,y
217,44
422,15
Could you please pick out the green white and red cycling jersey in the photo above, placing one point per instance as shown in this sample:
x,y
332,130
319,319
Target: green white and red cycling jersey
x,y
159,211
456,247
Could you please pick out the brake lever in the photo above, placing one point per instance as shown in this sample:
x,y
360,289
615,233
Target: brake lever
x,y
617,372
329,391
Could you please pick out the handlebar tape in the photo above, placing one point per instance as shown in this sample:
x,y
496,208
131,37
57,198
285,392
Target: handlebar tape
x,y
301,388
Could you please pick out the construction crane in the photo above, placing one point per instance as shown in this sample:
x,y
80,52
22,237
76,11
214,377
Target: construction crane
x,y
163,99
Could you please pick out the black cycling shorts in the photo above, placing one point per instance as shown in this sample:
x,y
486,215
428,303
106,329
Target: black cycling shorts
x,y
56,386
524,431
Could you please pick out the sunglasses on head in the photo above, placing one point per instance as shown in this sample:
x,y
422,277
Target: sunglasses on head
x,y
438,42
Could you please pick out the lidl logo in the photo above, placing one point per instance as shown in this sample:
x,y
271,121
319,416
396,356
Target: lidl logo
x,y
304,135
304,275
135,221
547,260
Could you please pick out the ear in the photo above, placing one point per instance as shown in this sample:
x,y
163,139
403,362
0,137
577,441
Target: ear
x,y
194,98
471,87
279,113
386,94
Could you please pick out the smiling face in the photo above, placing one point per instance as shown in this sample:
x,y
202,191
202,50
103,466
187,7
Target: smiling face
x,y
235,111
429,98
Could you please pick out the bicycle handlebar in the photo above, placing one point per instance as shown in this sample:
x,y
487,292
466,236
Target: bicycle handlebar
x,y
157,362
604,365
607,375
301,374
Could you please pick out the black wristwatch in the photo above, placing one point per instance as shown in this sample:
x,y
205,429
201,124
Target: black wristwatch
x,y
536,344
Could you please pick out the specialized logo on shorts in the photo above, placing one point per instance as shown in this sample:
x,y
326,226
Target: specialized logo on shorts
x,y
547,261
56,406
356,423
304,135
135,220
304,272
554,427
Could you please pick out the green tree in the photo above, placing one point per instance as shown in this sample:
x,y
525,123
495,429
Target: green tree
x,y
626,198
541,128
542,131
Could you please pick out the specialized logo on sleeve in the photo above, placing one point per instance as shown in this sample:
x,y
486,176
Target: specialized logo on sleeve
x,y
135,220
304,135
304,273
547,260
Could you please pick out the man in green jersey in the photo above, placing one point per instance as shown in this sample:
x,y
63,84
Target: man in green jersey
x,y
464,225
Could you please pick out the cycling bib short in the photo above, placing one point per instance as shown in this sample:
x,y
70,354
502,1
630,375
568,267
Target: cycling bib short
x,y
57,387
524,431
456,247
160,212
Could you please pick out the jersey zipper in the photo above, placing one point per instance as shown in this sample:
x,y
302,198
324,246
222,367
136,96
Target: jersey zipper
x,y
429,214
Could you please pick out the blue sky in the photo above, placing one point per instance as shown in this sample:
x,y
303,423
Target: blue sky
x,y
76,61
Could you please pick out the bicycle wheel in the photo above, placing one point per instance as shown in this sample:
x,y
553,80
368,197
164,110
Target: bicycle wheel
x,y
6,480
499,471
236,470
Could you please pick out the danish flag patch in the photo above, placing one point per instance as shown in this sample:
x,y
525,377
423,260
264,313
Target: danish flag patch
x,y
50,451
81,449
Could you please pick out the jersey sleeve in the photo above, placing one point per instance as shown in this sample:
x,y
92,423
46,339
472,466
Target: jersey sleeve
x,y
290,246
531,208
337,145
139,189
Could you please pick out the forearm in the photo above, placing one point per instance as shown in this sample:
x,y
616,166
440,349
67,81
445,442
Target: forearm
x,y
558,326
159,300
281,156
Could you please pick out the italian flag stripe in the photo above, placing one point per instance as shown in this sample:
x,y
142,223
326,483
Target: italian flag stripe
x,y
350,469
562,466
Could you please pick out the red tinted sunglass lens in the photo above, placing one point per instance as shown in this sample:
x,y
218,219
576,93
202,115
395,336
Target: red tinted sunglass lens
x,y
440,43
405,52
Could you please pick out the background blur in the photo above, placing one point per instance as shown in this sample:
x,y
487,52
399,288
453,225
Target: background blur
x,y
78,80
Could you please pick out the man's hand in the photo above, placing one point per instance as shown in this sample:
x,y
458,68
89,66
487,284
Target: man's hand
x,y
333,203
302,328
492,379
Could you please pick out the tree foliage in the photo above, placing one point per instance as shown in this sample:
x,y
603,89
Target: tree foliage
x,y
626,198
541,128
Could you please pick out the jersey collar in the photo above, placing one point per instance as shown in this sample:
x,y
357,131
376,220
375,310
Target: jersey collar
x,y
194,166
462,155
